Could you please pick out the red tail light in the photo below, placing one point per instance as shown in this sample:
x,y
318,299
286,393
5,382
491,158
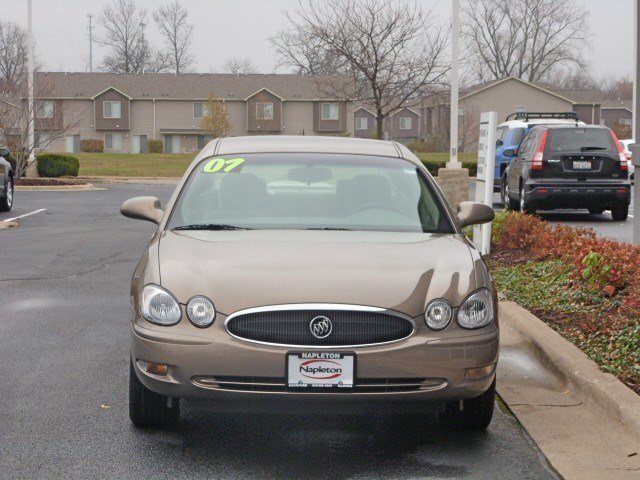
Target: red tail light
x,y
538,158
624,160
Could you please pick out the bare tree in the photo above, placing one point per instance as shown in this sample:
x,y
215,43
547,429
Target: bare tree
x,y
124,24
392,49
46,116
528,39
13,53
306,53
177,33
239,66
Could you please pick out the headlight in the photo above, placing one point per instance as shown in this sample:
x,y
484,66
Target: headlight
x,y
438,314
477,310
201,311
159,306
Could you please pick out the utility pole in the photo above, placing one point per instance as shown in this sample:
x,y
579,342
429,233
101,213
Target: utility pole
x,y
455,47
90,17
32,113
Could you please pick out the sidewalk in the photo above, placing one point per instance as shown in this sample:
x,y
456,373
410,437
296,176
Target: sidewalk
x,y
580,438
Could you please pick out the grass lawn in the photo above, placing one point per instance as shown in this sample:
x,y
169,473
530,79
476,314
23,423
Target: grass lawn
x,y
134,164
174,165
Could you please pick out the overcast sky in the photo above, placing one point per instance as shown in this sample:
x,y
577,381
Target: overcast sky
x,y
241,28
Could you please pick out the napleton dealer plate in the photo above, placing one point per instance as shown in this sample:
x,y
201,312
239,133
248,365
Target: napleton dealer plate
x,y
329,370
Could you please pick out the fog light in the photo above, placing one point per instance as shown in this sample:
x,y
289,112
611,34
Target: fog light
x,y
157,369
480,372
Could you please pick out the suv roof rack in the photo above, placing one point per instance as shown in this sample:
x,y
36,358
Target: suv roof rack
x,y
526,116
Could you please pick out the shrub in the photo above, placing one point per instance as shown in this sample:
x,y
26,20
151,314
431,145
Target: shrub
x,y
57,165
91,145
417,147
155,146
12,161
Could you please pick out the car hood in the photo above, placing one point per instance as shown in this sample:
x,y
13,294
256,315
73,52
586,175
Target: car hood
x,y
244,269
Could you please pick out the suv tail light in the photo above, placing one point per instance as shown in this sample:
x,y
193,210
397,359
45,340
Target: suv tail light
x,y
624,160
538,158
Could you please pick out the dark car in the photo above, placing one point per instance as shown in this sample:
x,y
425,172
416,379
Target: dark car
x,y
6,181
569,167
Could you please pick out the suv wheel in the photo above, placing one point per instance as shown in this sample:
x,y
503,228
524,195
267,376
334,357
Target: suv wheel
x,y
476,413
150,409
620,212
6,202
507,202
525,205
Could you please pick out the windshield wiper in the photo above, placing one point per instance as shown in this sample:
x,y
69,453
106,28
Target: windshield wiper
x,y
209,226
585,149
329,228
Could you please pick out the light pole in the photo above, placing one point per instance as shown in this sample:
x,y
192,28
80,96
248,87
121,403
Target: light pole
x,y
90,16
31,111
455,46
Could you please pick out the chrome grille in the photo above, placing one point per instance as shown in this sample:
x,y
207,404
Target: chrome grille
x,y
289,325
278,384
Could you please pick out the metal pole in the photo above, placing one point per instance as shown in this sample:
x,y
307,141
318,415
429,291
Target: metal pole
x,y
455,40
31,110
635,152
90,15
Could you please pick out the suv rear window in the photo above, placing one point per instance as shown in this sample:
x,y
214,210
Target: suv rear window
x,y
580,140
517,136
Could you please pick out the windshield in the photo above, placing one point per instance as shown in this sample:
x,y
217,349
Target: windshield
x,y
309,191
580,139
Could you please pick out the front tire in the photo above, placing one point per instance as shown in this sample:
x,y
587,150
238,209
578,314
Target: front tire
x,y
476,413
619,213
6,202
525,205
150,409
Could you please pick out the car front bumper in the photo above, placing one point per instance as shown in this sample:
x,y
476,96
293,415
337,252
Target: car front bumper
x,y
210,364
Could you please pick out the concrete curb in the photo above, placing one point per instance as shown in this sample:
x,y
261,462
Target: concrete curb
x,y
561,356
58,188
132,179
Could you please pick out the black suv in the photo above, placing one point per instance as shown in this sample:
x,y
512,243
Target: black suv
x,y
561,166
6,181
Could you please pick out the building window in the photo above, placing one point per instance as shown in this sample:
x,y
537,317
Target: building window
x,y
362,123
202,140
264,111
330,111
200,110
113,141
520,109
405,123
44,109
42,140
111,109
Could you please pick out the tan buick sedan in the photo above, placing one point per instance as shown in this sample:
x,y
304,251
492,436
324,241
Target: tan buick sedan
x,y
303,273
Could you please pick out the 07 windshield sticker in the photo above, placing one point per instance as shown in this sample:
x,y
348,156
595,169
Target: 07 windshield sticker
x,y
222,165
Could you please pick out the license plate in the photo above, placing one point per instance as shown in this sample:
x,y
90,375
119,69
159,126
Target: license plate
x,y
320,370
581,165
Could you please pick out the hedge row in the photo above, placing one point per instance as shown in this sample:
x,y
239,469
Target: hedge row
x,y
155,146
91,145
57,165
433,167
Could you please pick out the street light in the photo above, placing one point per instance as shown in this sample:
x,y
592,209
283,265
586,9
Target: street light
x,y
455,46
635,148
30,87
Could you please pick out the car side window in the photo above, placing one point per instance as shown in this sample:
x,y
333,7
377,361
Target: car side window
x,y
527,143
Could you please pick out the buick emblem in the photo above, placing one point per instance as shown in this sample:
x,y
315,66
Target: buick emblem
x,y
320,327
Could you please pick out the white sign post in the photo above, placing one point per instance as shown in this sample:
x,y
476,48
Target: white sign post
x,y
484,179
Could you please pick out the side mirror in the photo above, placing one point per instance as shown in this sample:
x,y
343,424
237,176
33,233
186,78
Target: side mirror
x,y
510,152
499,143
5,153
474,213
143,208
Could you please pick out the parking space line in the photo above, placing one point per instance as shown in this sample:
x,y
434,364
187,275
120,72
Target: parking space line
x,y
25,215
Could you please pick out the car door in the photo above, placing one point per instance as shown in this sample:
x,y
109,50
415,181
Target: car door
x,y
519,162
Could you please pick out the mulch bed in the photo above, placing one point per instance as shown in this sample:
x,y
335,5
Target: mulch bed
x,y
48,182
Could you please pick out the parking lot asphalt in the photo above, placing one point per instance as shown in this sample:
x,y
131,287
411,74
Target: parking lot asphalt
x,y
64,342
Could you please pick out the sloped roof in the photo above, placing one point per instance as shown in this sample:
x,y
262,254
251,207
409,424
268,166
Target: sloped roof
x,y
628,104
580,95
190,85
483,86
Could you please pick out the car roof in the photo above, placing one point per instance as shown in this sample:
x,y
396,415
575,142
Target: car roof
x,y
301,143
539,121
